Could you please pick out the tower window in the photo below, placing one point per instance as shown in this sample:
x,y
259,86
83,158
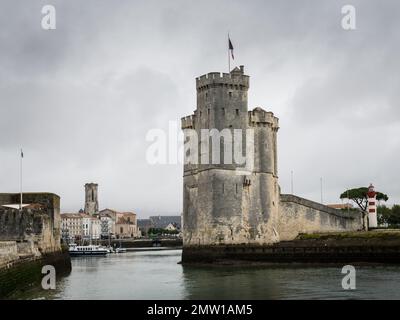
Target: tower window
x,y
237,112
236,188
230,94
223,111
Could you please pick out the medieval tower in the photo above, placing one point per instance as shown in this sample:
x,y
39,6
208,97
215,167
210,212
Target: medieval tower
x,y
228,202
91,200
220,204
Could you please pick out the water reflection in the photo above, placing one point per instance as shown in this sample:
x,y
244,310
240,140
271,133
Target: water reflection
x,y
157,275
228,283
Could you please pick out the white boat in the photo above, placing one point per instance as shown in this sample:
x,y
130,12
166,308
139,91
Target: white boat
x,y
120,250
90,250
110,249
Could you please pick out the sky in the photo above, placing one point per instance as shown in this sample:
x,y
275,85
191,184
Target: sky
x,y
80,99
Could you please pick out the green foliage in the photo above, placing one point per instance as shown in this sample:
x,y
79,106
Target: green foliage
x,y
159,231
350,235
389,216
360,197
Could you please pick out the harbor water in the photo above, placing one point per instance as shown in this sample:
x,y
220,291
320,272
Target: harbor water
x,y
158,275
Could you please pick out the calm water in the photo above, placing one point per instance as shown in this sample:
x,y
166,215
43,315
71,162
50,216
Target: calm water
x,y
156,275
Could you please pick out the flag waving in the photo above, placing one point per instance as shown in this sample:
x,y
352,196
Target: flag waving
x,y
231,48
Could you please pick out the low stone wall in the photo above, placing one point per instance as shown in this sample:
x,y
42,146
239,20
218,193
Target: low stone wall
x,y
298,215
8,252
306,252
27,273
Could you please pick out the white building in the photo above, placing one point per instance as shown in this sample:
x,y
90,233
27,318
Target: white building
x,y
86,226
170,227
95,231
80,226
107,226
71,226
91,227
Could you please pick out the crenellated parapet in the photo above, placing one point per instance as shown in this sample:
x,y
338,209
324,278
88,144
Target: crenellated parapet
x,y
236,79
259,118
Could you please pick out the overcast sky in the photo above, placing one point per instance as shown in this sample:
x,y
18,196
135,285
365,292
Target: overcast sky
x,y
80,99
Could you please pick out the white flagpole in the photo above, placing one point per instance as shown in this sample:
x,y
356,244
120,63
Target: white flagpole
x,y
21,156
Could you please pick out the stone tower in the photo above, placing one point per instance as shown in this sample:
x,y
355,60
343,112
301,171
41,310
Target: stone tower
x,y
91,201
220,205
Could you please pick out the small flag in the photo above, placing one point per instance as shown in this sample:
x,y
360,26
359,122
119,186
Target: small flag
x,y
22,154
231,48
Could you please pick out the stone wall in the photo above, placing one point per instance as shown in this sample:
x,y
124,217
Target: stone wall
x,y
298,215
29,239
27,273
8,252
38,223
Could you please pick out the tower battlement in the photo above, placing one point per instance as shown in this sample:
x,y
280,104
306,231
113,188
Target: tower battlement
x,y
188,122
235,79
260,117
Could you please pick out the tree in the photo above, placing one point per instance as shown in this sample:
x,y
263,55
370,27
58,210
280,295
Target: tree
x,y
384,214
360,197
389,216
395,217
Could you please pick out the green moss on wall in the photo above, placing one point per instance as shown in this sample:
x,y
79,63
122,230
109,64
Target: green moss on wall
x,y
26,274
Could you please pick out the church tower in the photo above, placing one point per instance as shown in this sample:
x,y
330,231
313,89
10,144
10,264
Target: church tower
x,y
221,205
91,201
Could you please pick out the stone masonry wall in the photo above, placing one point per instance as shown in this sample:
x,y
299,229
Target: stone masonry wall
x,y
39,223
8,252
298,215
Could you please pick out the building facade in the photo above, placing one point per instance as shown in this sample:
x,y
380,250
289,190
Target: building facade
x,y
107,226
71,226
126,225
80,226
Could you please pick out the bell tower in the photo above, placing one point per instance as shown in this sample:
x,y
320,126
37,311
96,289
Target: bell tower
x,y
91,200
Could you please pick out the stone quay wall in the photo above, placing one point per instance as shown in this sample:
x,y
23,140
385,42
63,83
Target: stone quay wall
x,y
298,215
29,239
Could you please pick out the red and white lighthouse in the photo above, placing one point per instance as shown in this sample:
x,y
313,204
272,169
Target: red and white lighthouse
x,y
372,216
